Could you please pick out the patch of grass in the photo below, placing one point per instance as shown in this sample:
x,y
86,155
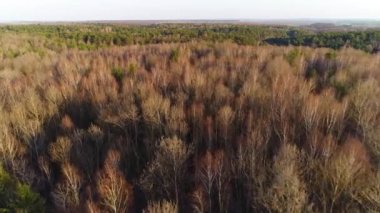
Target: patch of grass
x,y
118,74
174,55
132,69
331,55
292,56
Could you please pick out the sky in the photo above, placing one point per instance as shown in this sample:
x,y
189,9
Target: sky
x,y
82,10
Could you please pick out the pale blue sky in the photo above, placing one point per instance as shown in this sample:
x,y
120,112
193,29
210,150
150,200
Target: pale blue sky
x,y
71,10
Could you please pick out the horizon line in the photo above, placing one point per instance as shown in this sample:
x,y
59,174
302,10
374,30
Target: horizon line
x,y
202,19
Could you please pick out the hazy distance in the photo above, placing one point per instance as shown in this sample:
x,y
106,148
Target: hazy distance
x,y
90,10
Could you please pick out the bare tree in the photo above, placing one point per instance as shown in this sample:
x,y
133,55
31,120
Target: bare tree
x,y
165,173
287,192
67,192
206,175
113,188
161,206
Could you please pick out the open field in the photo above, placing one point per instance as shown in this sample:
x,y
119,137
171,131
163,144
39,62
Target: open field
x,y
188,118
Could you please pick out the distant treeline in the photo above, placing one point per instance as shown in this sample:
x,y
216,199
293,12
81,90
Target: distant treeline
x,y
94,36
368,41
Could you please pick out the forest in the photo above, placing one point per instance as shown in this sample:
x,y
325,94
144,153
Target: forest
x,y
95,36
188,118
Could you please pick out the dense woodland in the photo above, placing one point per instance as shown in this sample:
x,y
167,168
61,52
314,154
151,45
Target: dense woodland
x,y
95,36
368,41
185,125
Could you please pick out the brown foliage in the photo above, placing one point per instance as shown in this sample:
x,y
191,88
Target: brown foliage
x,y
216,128
163,206
115,192
66,123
